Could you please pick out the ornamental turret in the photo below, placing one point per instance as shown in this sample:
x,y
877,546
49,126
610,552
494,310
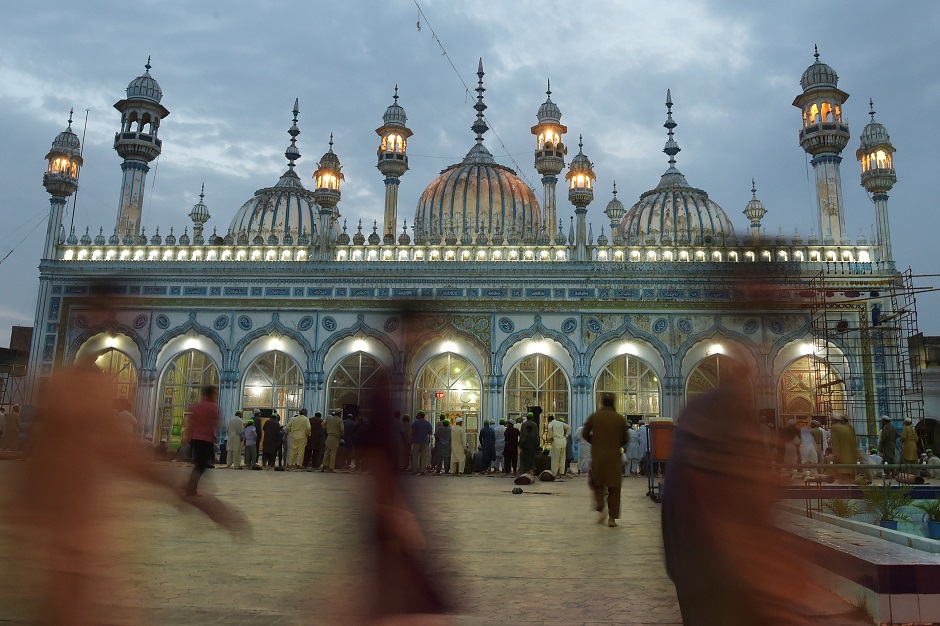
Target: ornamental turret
x,y
61,181
824,135
199,215
876,154
615,212
755,212
137,143
328,178
393,161
549,155
581,179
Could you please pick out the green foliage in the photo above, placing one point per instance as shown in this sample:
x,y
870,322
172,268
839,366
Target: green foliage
x,y
841,507
931,509
886,502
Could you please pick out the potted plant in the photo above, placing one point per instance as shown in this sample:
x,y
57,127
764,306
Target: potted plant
x,y
931,509
886,503
841,507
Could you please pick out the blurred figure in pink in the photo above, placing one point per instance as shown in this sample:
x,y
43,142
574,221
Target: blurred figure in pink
x,y
730,564
76,454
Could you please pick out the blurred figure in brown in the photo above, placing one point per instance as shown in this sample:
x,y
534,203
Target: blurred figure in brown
x,y
730,564
76,456
606,431
844,446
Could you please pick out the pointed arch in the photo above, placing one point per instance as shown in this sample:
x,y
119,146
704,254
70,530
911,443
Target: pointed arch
x,y
191,326
110,327
538,329
274,326
604,341
360,328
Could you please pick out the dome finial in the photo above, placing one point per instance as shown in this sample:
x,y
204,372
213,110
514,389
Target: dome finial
x,y
816,52
331,142
292,153
753,189
615,189
548,92
871,109
202,192
580,142
71,112
147,65
479,126
671,148
395,97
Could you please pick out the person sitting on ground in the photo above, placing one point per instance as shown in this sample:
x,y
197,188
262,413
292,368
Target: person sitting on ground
x,y
543,461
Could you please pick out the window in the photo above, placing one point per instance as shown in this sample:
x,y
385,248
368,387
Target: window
x,y
708,375
353,381
121,373
181,387
809,386
273,381
633,383
537,380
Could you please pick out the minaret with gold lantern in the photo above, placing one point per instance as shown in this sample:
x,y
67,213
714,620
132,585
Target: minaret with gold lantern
x,y
824,135
328,178
549,156
580,179
876,154
137,143
61,181
393,162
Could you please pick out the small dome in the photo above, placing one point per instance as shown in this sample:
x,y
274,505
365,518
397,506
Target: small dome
x,y
144,87
549,111
359,239
114,240
72,240
615,209
395,114
67,142
819,74
86,238
99,238
156,240
171,238
374,238
755,210
285,206
200,213
184,238
874,134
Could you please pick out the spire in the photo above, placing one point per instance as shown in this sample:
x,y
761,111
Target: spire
x,y
72,111
395,97
292,153
548,92
671,148
871,111
816,52
615,189
479,126
147,65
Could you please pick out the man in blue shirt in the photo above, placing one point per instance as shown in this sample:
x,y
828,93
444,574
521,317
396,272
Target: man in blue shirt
x,y
420,443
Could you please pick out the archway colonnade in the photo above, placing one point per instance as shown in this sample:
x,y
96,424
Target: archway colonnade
x,y
450,375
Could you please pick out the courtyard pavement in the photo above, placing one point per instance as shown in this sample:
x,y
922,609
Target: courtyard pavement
x,y
534,558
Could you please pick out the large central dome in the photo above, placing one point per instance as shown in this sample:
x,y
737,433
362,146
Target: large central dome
x,y
475,195
478,200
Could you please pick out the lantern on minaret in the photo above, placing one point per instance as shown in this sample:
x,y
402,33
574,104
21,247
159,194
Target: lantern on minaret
x,y
580,179
824,135
615,212
549,156
393,161
328,178
137,143
876,154
61,181
755,212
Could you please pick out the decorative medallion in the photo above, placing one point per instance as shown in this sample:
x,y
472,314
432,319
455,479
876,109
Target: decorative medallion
x,y
391,324
140,321
684,326
305,323
569,325
221,322
162,321
660,325
594,325
244,322
329,324
506,325
750,327
81,321
776,327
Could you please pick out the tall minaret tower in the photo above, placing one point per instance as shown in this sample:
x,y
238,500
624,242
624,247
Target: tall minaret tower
x,y
137,144
61,181
876,154
393,162
581,179
549,156
824,135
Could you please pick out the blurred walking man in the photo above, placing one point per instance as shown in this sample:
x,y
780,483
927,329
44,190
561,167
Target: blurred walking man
x,y
203,423
606,431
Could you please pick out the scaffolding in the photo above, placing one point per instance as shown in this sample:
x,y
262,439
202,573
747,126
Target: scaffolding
x,y
12,378
861,326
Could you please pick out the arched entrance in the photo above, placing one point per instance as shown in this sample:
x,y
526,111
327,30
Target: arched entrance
x,y
538,380
810,386
449,384
180,387
122,374
353,381
634,385
273,381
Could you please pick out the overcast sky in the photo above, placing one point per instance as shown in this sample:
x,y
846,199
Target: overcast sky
x,y
230,72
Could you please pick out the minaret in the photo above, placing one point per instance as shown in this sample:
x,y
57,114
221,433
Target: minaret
x,y
755,212
199,215
328,177
61,181
549,156
615,212
580,179
393,162
876,154
137,144
824,135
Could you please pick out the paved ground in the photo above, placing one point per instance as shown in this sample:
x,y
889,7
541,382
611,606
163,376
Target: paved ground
x,y
536,558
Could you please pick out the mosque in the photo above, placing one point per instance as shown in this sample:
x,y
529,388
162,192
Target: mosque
x,y
511,300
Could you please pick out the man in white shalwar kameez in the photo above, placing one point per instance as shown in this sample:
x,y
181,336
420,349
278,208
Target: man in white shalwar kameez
x,y
233,449
298,428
